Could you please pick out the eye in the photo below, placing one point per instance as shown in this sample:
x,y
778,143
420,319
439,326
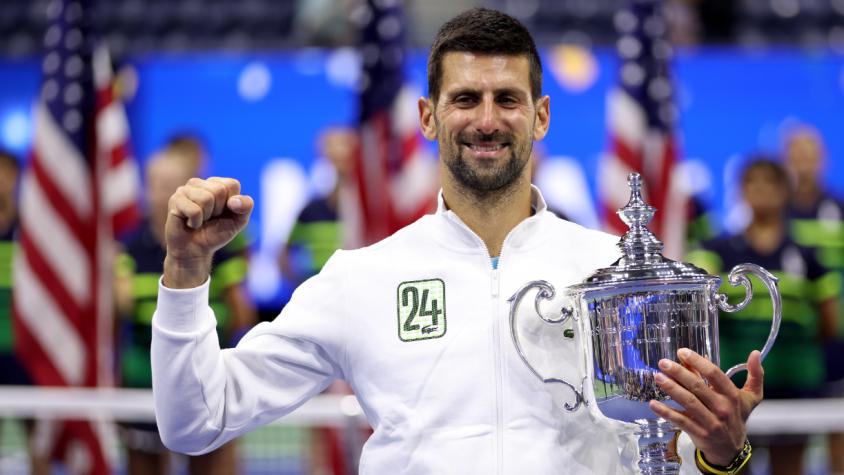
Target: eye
x,y
508,100
465,100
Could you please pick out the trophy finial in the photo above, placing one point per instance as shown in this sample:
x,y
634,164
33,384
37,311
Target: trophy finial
x,y
639,244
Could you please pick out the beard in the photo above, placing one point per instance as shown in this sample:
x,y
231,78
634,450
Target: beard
x,y
483,182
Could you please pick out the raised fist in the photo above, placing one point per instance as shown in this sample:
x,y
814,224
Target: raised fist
x,y
204,215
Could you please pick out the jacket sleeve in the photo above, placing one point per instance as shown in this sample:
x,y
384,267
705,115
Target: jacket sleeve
x,y
205,397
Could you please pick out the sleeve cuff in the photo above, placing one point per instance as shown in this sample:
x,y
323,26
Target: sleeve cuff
x,y
181,310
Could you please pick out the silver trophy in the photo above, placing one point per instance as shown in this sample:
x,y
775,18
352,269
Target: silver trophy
x,y
630,315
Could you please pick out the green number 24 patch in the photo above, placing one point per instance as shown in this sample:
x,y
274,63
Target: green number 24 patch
x,y
421,309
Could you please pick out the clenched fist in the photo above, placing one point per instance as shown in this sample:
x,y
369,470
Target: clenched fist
x,y
204,215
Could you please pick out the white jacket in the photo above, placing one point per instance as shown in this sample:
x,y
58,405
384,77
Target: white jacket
x,y
449,396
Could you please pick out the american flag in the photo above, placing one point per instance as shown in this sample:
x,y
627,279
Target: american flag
x,y
80,183
641,118
396,176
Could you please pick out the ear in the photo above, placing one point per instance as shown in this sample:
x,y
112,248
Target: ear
x,y
426,118
543,118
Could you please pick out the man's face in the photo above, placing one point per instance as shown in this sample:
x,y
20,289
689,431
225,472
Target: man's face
x,y
485,120
804,155
764,193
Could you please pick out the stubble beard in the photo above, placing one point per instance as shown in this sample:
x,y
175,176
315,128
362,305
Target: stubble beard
x,y
492,185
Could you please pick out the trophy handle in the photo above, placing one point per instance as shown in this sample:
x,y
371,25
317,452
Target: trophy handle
x,y
546,292
738,276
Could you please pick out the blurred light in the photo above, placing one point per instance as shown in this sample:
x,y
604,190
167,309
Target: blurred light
x,y
574,67
625,21
838,6
15,130
254,82
522,9
785,8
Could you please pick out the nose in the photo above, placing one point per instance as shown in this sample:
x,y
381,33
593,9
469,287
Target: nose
x,y
488,120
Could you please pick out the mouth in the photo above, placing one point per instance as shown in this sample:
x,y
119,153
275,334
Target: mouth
x,y
486,149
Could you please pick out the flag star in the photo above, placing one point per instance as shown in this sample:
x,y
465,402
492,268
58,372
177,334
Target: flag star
x,y
629,46
54,9
388,27
632,74
53,36
73,39
73,67
72,120
72,94
625,21
51,63
659,88
50,90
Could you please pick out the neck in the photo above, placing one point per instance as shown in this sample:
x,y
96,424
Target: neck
x,y
490,215
806,194
765,233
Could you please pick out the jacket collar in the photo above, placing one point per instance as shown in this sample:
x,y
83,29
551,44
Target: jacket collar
x,y
460,237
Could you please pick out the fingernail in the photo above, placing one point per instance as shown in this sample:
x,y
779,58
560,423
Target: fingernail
x,y
665,364
684,353
659,378
237,202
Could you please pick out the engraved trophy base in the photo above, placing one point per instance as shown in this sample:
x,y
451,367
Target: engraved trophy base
x,y
658,447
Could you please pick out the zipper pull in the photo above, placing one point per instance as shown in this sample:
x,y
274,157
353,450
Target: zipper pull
x,y
494,283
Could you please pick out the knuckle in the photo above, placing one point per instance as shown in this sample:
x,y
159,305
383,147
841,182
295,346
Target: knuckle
x,y
195,181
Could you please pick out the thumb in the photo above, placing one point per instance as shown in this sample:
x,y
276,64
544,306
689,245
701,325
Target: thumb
x,y
755,374
240,204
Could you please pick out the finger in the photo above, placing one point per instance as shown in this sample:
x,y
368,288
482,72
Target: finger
x,y
241,204
217,190
202,197
685,423
232,186
187,210
695,408
713,374
691,381
755,374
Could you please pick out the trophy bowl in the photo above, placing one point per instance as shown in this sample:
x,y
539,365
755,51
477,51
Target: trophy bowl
x,y
628,316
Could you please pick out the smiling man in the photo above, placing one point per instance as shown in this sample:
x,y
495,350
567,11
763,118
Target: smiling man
x,y
416,324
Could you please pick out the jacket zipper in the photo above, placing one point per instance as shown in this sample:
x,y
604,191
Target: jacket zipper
x,y
495,290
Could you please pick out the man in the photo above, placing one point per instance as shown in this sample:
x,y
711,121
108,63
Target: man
x,y
817,222
136,290
438,377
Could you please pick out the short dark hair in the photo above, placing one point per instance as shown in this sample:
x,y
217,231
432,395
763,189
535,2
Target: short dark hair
x,y
483,31
766,163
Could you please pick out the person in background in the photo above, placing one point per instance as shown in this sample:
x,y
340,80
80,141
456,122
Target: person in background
x,y
795,366
817,222
136,288
318,230
316,234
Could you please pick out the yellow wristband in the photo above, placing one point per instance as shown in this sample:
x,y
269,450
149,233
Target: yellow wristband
x,y
733,468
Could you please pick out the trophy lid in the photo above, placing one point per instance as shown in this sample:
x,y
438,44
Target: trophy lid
x,y
642,257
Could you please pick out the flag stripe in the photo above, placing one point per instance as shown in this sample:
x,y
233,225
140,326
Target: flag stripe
x,y
49,325
63,162
52,236
77,225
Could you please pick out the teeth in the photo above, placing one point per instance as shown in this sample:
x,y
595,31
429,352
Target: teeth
x,y
487,148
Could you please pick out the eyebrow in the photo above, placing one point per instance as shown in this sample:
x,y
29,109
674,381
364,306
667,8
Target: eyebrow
x,y
477,92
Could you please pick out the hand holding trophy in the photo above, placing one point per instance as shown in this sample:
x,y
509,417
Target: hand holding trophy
x,y
631,316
